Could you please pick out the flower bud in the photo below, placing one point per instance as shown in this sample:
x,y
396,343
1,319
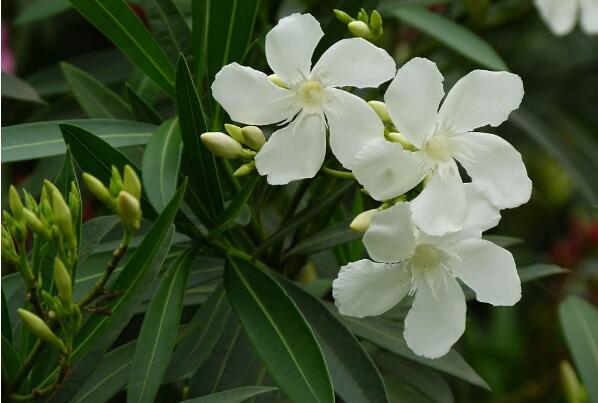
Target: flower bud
x,y
116,182
129,211
254,138
397,137
380,109
225,146
278,81
235,132
63,282
245,169
362,15
35,224
62,215
376,23
14,200
97,188
360,29
361,223
30,202
39,328
343,17
131,183
74,200
50,188
8,247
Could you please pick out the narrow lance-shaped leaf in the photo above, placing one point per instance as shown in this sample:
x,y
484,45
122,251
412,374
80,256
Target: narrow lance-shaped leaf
x,y
117,21
143,111
279,333
237,395
37,10
232,211
158,332
16,88
160,165
10,360
97,100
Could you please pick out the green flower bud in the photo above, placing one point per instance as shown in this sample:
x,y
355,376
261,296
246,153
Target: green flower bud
x,y
361,222
362,16
39,328
62,215
225,146
343,17
50,188
63,282
129,210
35,224
278,81
131,183
116,182
74,201
97,188
380,109
14,200
254,138
8,247
360,29
30,202
235,132
245,169
376,23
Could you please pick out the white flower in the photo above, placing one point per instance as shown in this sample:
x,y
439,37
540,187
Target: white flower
x,y
411,262
442,138
561,15
297,151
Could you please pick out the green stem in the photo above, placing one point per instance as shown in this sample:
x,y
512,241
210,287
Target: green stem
x,y
337,173
35,394
30,279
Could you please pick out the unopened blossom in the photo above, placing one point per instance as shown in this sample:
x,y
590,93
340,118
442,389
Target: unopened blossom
x,y
306,98
441,138
408,261
562,15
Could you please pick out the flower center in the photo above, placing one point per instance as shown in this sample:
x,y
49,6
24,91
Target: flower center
x,y
426,257
440,148
311,94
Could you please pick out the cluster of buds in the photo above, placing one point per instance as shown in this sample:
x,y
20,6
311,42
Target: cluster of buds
x,y
233,145
368,27
122,196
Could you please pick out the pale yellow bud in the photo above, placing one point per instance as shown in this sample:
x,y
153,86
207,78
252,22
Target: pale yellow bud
x,y
62,215
62,279
50,188
254,138
361,223
225,146
245,169
360,29
40,329
131,182
97,188
397,137
235,132
278,81
343,17
380,109
35,224
129,211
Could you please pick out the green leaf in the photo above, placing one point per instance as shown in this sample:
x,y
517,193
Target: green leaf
x,y
168,26
450,33
278,331
235,207
44,139
119,23
198,163
536,271
503,241
109,377
6,324
354,375
10,360
97,100
100,332
160,165
15,88
334,235
38,10
579,321
158,332
237,395
208,324
389,335
92,233
143,111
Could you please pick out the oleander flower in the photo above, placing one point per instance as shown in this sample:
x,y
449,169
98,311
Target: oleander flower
x,y
408,261
441,137
306,97
561,15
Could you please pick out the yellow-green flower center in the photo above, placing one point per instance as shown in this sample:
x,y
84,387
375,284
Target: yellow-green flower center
x,y
310,93
440,148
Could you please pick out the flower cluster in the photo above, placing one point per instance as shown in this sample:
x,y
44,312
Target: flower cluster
x,y
406,153
561,16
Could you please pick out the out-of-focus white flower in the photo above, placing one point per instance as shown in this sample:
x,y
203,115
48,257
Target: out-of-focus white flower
x,y
443,137
561,15
308,99
410,262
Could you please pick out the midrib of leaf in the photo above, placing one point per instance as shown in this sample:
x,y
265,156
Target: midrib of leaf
x,y
120,135
105,380
273,324
83,145
161,179
225,360
136,43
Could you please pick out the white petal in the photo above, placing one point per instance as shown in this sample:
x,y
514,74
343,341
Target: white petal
x,y
294,152
249,97
366,288
481,214
352,123
497,170
290,46
481,98
390,237
387,171
559,15
437,318
589,16
489,270
354,62
413,98
441,207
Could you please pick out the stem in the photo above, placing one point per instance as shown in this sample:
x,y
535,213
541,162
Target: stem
x,y
29,278
35,394
337,173
27,365
98,289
